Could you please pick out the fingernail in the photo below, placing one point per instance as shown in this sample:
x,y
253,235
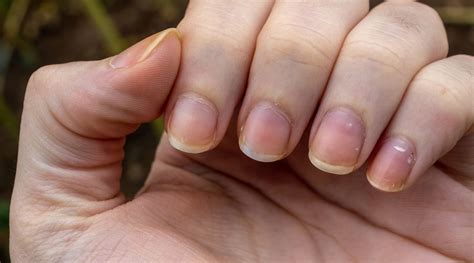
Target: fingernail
x,y
266,133
142,50
391,167
338,142
193,123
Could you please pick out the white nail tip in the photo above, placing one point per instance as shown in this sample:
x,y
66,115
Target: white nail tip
x,y
260,157
394,188
329,168
183,147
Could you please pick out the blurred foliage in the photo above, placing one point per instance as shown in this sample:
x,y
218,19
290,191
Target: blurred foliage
x,y
105,25
4,208
457,15
41,32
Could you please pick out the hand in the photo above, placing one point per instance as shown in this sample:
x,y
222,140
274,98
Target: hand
x,y
221,206
353,81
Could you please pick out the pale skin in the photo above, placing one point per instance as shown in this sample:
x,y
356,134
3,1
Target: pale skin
x,y
324,88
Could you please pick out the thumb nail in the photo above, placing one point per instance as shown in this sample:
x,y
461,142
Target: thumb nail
x,y
142,50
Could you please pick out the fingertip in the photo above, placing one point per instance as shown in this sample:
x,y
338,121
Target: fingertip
x,y
392,166
181,146
257,156
329,168
192,125
338,141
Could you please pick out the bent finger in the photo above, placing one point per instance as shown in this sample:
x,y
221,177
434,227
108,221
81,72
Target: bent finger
x,y
75,120
218,44
295,53
435,114
377,62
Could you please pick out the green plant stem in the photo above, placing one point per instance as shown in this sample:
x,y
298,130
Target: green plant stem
x,y
11,28
4,211
14,19
457,15
9,120
97,12
158,127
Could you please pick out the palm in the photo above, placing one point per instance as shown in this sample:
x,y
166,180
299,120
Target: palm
x,y
221,206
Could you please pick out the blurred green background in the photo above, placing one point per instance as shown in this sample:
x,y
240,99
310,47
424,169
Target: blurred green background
x,y
41,32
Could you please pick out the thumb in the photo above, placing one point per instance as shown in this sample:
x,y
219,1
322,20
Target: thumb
x,y
75,120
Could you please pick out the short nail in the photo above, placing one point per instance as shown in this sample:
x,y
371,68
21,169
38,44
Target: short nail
x,y
265,134
338,141
192,124
391,167
141,51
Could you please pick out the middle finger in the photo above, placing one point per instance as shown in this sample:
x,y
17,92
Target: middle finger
x,y
295,53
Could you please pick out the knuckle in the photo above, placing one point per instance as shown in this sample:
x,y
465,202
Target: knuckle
x,y
412,24
375,53
230,43
42,76
216,40
414,17
298,48
40,83
447,80
465,64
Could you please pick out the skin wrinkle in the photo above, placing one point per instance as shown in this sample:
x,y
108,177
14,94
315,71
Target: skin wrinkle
x,y
367,220
222,192
314,51
408,16
93,251
67,204
51,233
172,232
226,40
340,206
174,187
377,61
81,192
364,44
317,37
225,17
200,245
239,209
265,197
76,162
457,95
208,175
459,176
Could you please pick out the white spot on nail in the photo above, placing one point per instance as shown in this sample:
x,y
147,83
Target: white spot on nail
x,y
400,149
411,159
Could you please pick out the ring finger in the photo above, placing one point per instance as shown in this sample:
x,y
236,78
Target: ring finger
x,y
379,59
